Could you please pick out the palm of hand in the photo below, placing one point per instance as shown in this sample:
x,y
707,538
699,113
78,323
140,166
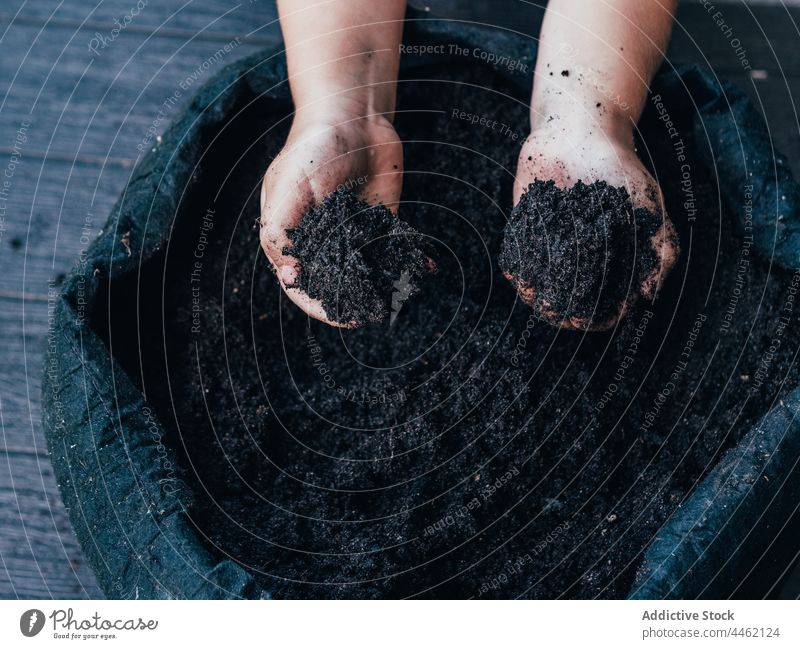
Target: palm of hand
x,y
550,156
360,154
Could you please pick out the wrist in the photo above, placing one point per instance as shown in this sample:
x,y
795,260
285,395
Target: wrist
x,y
576,105
349,119
584,120
362,84
336,105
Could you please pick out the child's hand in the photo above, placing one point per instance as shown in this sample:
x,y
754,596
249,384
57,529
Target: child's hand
x,y
568,154
335,148
342,63
593,68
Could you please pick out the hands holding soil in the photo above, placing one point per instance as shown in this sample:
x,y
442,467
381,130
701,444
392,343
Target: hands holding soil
x,y
339,148
612,241
573,258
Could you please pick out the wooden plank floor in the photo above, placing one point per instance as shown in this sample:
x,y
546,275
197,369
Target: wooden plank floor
x,y
72,118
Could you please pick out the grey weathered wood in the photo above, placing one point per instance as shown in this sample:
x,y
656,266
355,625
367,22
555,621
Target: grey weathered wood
x,y
38,547
48,206
99,108
21,347
172,19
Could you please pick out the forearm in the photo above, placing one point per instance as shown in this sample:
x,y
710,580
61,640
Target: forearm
x,y
343,51
599,52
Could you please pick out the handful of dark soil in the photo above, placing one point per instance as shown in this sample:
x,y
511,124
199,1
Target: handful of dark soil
x,y
356,258
582,250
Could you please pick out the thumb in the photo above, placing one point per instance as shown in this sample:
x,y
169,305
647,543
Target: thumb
x,y
283,203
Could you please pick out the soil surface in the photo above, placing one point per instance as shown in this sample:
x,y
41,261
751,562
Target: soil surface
x,y
356,258
467,449
584,251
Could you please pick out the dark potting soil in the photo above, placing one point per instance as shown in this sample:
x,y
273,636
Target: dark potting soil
x,y
356,258
467,450
584,250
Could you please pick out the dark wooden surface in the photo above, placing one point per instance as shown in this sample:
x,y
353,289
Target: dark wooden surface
x,y
86,114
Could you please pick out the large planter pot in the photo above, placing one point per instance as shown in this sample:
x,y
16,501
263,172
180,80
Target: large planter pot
x,y
118,478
